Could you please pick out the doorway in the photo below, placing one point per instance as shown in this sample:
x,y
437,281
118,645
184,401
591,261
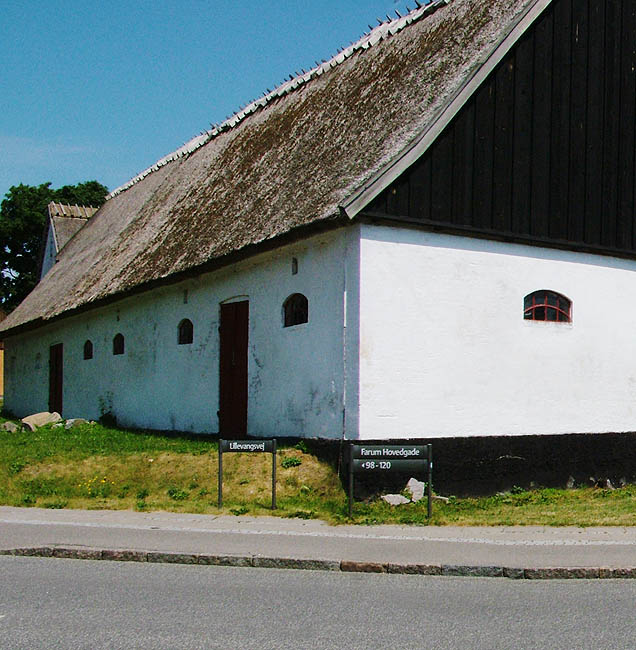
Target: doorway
x,y
233,333
56,377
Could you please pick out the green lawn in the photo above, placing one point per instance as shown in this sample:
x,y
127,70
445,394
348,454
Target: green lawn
x,y
95,467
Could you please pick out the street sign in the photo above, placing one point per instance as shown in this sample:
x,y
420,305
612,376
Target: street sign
x,y
249,447
412,459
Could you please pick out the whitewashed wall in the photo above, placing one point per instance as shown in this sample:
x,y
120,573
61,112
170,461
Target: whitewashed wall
x,y
445,350
295,374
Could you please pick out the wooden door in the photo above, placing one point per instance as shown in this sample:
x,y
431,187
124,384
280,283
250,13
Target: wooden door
x,y
233,369
56,377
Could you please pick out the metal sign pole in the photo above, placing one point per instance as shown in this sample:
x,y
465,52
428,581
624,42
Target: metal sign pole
x,y
274,476
350,480
429,487
220,473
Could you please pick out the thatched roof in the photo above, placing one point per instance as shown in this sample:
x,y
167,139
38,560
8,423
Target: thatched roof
x,y
297,157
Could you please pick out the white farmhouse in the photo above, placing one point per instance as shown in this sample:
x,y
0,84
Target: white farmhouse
x,y
429,236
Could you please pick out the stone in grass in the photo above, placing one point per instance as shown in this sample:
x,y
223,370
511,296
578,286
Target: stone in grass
x,y
11,427
416,489
36,420
395,499
571,483
75,422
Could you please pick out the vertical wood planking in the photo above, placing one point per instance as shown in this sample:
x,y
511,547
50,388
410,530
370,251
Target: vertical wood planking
x,y
611,122
560,142
578,112
484,131
442,177
463,165
379,204
503,143
420,194
402,199
522,144
541,126
594,135
392,199
627,145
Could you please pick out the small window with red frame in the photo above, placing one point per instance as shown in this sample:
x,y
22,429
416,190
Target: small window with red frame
x,y
547,305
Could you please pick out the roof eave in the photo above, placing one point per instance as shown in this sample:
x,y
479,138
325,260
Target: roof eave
x,y
331,222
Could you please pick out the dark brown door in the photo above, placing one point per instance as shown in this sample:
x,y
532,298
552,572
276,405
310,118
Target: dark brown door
x,y
56,375
233,364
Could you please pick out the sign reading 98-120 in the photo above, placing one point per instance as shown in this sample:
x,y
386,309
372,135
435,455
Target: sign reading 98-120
x,y
385,458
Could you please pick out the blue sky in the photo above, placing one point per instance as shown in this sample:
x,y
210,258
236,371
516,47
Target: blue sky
x,y
103,90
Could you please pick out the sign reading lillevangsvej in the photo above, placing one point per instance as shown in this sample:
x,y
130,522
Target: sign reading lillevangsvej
x,y
247,446
406,459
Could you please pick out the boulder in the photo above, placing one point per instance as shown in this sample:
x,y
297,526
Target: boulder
x,y
36,420
75,422
416,489
395,499
571,483
11,427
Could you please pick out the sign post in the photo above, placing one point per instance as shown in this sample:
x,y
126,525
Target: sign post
x,y
413,459
250,447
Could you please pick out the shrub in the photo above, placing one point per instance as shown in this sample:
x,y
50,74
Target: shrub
x,y
177,494
16,467
290,462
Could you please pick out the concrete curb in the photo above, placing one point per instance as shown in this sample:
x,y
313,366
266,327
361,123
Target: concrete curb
x,y
348,566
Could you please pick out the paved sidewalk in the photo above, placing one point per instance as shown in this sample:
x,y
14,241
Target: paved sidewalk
x,y
520,552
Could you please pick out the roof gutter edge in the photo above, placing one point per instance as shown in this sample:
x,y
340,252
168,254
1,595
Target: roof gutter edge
x,y
331,222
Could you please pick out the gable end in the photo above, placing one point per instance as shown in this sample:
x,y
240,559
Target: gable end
x,y
544,149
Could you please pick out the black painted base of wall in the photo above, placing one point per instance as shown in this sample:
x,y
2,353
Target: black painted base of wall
x,y
486,465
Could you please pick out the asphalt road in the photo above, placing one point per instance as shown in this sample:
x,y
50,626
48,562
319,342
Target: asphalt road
x,y
57,603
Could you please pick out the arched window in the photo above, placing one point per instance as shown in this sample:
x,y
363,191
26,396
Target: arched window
x,y
547,306
88,350
185,332
295,310
118,344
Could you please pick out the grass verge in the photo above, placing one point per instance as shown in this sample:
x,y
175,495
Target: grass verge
x,y
95,467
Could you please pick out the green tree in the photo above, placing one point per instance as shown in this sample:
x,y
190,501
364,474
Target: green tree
x,y
23,220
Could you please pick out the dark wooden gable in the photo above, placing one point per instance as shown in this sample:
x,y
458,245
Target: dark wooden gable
x,y
544,151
